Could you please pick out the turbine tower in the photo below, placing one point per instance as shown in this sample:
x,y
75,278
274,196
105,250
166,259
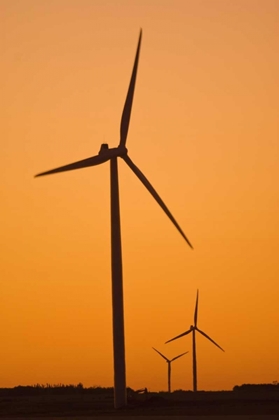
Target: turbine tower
x,y
111,154
193,329
169,366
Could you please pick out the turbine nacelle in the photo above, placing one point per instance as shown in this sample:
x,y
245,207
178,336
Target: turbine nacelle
x,y
104,147
109,153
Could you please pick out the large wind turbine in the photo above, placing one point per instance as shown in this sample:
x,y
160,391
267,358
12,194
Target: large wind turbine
x,y
169,365
193,329
112,154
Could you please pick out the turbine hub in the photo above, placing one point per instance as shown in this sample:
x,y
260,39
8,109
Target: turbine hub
x,y
123,150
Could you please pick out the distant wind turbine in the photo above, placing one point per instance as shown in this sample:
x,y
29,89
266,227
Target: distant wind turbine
x,y
169,365
193,329
105,154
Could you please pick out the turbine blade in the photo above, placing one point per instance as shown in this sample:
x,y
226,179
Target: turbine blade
x,y
178,336
180,355
196,309
149,187
210,339
126,114
164,357
92,161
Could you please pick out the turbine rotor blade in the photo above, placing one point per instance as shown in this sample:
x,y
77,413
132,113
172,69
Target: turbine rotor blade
x,y
210,339
196,310
126,114
180,355
155,195
164,357
178,336
92,161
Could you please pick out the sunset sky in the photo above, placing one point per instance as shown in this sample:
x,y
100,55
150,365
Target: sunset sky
x,y
204,131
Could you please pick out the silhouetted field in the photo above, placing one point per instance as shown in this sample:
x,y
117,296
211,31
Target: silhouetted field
x,y
82,402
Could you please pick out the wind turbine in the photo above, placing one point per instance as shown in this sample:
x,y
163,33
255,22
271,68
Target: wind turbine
x,y
169,365
193,329
111,154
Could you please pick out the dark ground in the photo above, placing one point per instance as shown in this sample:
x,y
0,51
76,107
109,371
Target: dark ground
x,y
181,403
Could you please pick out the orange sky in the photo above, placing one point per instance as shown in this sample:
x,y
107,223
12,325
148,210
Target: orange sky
x,y
204,130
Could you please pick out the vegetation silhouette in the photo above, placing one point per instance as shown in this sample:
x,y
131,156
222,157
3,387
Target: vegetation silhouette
x,y
76,400
70,389
257,387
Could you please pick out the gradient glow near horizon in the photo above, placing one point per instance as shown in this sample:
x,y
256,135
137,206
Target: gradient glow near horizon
x,y
204,130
